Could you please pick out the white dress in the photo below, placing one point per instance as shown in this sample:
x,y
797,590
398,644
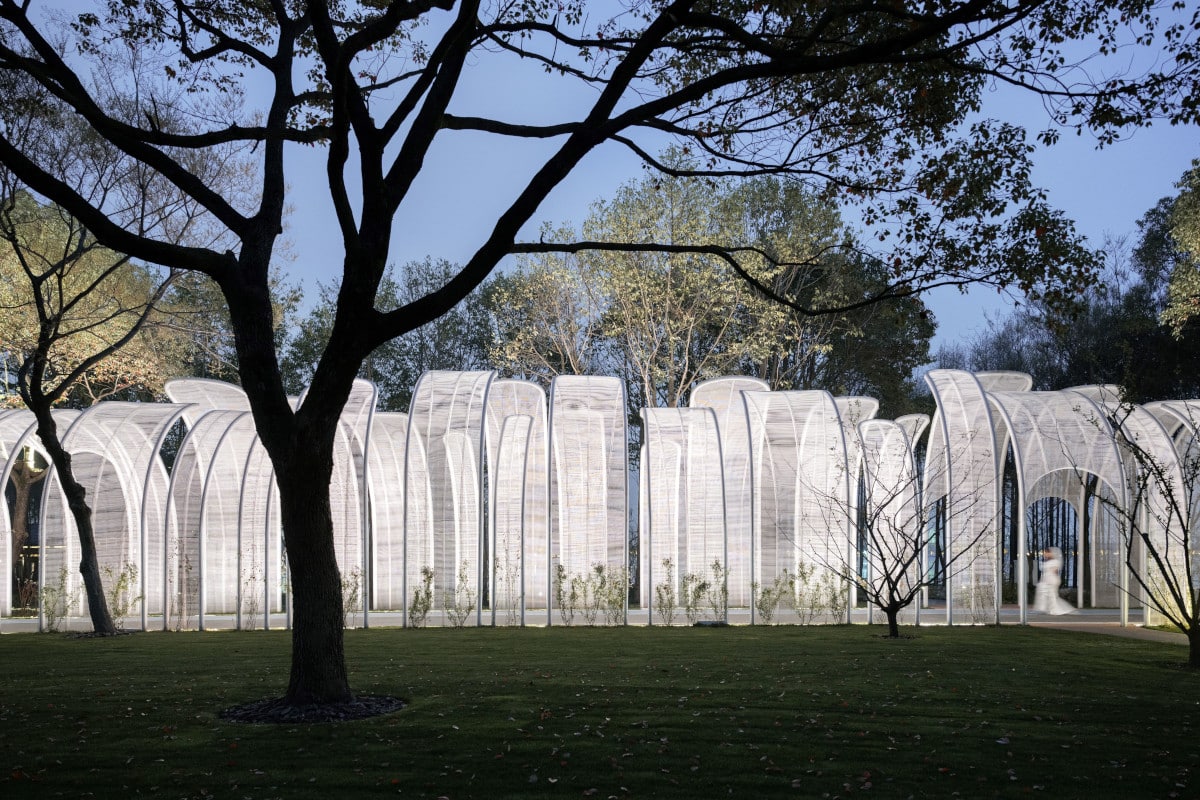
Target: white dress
x,y
1046,599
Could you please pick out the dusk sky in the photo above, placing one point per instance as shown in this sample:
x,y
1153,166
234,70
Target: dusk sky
x,y
469,179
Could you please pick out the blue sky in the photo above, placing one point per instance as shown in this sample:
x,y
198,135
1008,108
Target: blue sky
x,y
469,178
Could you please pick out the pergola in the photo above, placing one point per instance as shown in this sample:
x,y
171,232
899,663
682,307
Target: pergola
x,y
509,497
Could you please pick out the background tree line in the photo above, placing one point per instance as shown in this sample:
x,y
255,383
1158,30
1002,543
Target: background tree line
x,y
662,321
666,321
1137,327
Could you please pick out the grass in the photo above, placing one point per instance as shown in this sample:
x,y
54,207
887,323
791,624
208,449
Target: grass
x,y
628,712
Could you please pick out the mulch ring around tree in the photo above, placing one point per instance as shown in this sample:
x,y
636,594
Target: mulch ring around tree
x,y
277,711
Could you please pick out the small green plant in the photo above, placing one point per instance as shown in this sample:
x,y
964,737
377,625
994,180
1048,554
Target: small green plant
x,y
665,603
57,601
767,600
718,591
694,591
614,593
422,602
121,586
589,587
600,593
978,601
809,601
352,591
835,596
566,594
251,599
461,601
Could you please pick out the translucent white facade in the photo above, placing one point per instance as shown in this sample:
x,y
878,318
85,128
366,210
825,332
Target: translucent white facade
x,y
443,513
589,509
517,458
803,512
724,397
891,509
683,530
491,502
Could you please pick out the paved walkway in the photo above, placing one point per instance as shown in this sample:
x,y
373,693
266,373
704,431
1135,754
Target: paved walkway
x,y
1095,620
1112,629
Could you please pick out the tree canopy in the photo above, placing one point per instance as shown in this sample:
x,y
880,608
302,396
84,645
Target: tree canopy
x,y
1134,327
666,318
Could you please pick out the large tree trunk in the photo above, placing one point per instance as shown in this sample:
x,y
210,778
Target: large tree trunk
x,y
300,444
318,660
893,622
1193,636
24,478
89,564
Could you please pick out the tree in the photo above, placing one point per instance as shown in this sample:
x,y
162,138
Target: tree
x,y
1184,287
1158,512
1105,336
548,320
459,339
77,317
895,522
668,320
868,102
79,305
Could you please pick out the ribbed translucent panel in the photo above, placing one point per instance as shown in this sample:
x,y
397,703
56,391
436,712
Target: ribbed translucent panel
x,y
914,426
1110,525
507,552
443,508
60,546
14,422
206,394
802,505
1159,519
16,432
181,567
517,458
1004,381
261,569
348,487
966,472
852,411
220,569
114,449
389,433
588,493
892,514
724,397
682,502
1059,440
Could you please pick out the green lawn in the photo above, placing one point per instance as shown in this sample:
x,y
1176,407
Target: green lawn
x,y
628,712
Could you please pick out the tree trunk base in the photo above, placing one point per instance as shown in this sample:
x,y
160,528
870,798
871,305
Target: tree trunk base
x,y
278,711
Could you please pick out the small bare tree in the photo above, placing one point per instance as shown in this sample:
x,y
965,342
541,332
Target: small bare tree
x,y
896,527
1159,516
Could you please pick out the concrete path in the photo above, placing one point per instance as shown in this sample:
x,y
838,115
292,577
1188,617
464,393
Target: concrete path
x,y
1131,631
